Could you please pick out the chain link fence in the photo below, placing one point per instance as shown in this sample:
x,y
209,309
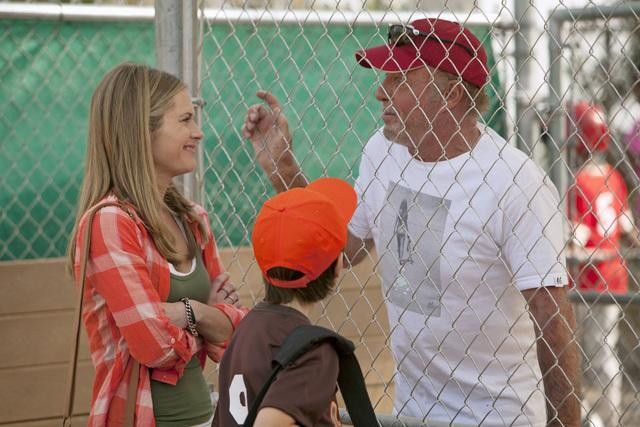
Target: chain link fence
x,y
307,62
594,54
543,59
49,67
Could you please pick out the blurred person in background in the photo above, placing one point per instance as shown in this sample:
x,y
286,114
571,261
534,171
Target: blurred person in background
x,y
156,291
625,128
469,235
600,216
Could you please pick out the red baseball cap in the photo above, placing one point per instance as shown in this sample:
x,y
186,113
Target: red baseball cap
x,y
303,229
592,129
440,44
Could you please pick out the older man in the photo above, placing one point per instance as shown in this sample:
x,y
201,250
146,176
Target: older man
x,y
469,235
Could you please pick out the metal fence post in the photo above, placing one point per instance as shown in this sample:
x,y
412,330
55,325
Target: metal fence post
x,y
177,40
525,114
557,157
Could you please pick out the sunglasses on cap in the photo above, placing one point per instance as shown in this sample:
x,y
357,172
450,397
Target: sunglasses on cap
x,y
400,35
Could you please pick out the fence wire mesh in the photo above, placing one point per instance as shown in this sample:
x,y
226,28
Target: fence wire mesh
x,y
306,58
48,70
331,103
599,65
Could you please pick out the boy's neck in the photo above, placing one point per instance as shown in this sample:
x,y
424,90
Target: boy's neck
x,y
305,309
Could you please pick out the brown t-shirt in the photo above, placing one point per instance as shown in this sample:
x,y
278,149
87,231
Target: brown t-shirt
x,y
306,390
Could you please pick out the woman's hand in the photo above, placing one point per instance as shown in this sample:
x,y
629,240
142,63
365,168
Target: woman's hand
x,y
223,291
176,313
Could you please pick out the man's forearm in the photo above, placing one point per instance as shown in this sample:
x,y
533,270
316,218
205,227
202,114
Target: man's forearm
x,y
357,249
559,363
557,354
285,174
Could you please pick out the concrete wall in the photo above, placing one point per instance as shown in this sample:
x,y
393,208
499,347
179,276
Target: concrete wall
x,y
36,311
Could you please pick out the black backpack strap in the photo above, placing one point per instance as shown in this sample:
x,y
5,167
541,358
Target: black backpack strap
x,y
253,412
350,379
354,392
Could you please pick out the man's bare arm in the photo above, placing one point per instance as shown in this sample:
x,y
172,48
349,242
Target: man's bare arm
x,y
554,324
357,249
268,130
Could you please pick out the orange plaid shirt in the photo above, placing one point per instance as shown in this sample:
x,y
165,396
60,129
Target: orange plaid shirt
x,y
127,280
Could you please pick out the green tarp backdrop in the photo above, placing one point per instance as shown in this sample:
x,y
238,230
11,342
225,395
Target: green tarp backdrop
x,y
50,68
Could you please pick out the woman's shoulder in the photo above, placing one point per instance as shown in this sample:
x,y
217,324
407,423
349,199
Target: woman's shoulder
x,y
199,219
110,209
200,215
199,212
114,224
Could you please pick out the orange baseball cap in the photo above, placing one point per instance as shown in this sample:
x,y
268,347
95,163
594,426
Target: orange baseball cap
x,y
303,229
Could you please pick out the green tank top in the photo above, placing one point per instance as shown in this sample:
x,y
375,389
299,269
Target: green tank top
x,y
189,401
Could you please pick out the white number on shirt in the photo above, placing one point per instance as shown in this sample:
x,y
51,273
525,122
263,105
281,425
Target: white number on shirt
x,y
606,214
238,406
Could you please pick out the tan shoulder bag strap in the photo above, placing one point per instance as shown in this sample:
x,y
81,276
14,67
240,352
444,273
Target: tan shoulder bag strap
x,y
73,367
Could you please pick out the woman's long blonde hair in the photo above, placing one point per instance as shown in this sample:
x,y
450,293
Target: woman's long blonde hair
x,y
126,107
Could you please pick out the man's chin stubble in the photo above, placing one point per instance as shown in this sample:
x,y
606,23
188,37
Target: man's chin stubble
x,y
393,136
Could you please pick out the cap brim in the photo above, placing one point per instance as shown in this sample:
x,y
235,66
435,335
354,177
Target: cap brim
x,y
389,59
341,193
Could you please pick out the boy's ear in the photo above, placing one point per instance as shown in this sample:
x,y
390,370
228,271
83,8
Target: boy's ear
x,y
339,264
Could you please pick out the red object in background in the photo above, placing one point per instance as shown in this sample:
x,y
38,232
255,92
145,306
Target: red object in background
x,y
600,200
592,131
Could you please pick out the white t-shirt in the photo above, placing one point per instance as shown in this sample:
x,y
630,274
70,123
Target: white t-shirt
x,y
457,241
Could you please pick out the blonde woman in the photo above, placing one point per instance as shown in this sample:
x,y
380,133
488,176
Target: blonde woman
x,y
156,291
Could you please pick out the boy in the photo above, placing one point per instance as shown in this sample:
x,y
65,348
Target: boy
x,y
298,240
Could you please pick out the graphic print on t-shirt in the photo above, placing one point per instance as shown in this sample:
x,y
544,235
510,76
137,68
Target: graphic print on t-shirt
x,y
401,232
412,225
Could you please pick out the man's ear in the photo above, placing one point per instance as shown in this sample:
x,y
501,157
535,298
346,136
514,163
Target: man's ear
x,y
456,92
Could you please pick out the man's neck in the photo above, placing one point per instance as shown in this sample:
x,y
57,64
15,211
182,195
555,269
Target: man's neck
x,y
447,147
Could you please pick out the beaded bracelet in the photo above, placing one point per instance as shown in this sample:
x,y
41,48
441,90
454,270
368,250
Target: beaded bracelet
x,y
191,317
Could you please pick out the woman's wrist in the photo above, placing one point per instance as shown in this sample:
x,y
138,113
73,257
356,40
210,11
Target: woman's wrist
x,y
190,316
213,324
